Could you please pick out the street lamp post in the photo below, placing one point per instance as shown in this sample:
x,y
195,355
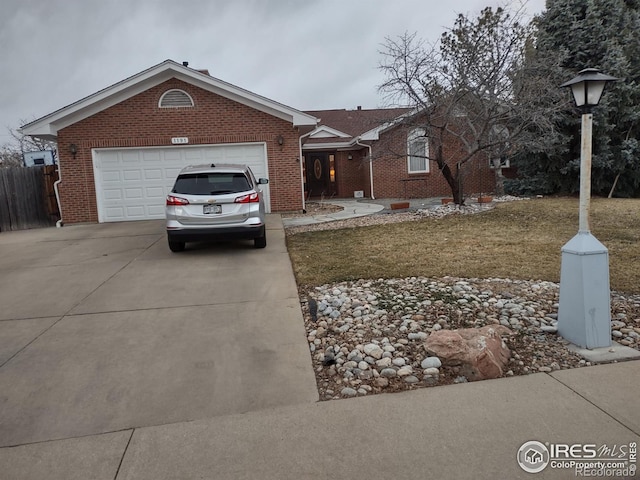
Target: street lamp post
x,y
584,312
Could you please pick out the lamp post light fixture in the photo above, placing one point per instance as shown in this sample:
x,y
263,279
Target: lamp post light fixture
x,y
584,312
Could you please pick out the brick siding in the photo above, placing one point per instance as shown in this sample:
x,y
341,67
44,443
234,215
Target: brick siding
x,y
139,122
391,177
350,174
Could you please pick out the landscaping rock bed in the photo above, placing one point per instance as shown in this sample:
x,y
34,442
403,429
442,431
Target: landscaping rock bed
x,y
391,216
368,336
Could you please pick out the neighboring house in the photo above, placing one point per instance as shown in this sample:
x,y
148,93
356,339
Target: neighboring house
x,y
121,148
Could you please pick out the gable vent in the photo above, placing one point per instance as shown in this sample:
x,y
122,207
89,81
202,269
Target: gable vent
x,y
176,98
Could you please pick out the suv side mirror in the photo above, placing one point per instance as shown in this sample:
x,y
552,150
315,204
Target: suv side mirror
x,y
263,181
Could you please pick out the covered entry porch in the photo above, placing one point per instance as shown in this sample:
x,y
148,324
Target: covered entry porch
x,y
335,173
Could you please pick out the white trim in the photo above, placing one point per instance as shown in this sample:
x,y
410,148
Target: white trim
x,y
301,161
374,133
328,146
175,106
414,135
370,160
48,126
327,132
199,145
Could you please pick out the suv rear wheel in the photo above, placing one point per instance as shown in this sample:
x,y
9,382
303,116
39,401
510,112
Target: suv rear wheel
x,y
176,246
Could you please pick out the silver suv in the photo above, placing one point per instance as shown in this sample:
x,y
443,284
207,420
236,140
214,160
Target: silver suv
x,y
218,201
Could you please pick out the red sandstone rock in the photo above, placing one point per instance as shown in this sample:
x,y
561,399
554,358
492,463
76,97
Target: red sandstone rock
x,y
480,352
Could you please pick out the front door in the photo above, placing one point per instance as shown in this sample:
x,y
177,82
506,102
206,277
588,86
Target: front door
x,y
318,175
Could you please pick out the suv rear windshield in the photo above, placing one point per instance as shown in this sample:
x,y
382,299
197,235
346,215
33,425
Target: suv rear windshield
x,y
211,183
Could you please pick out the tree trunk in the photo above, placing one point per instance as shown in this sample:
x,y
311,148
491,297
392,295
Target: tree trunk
x,y
499,182
453,183
452,180
615,182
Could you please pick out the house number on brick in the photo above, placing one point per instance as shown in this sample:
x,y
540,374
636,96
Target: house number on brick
x,y
179,140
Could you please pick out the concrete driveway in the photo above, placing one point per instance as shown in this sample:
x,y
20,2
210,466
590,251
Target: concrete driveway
x,y
103,329
119,360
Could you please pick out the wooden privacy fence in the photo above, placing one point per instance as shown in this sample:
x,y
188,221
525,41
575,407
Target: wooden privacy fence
x,y
27,197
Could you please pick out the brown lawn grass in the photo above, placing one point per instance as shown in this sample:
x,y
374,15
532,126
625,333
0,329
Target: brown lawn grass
x,y
518,240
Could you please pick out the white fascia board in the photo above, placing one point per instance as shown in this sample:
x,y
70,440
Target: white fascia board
x,y
374,133
45,133
327,132
48,126
371,135
101,100
328,146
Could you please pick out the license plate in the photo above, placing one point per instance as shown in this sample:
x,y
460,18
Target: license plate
x,y
212,209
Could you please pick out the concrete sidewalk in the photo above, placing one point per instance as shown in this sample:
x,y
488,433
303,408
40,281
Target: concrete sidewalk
x,y
350,209
120,360
466,431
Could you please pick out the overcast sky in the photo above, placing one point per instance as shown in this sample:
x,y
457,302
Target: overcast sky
x,y
306,54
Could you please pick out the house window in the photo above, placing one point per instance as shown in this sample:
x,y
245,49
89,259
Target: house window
x,y
417,151
175,98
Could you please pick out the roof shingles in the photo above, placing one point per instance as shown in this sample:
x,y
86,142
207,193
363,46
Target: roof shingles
x,y
355,122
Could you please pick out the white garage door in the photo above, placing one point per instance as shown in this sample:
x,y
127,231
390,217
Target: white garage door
x,y
132,183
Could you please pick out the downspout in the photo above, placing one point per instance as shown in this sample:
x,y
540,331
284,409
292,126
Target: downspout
x,y
55,189
301,159
370,164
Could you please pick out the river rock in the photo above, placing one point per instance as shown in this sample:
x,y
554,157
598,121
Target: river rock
x,y
373,350
388,372
348,392
431,362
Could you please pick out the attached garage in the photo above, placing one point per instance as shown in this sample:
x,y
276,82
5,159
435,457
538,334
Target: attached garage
x,y
121,148
132,183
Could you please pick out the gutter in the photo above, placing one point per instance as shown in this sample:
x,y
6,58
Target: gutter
x,y
300,160
55,189
370,164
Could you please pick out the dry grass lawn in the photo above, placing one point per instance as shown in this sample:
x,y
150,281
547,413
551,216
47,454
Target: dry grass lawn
x,y
518,240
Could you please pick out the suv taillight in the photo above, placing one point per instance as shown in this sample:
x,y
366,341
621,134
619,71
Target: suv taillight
x,y
171,200
250,198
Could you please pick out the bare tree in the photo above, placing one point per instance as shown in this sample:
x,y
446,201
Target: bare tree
x,y
472,87
11,153
9,157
